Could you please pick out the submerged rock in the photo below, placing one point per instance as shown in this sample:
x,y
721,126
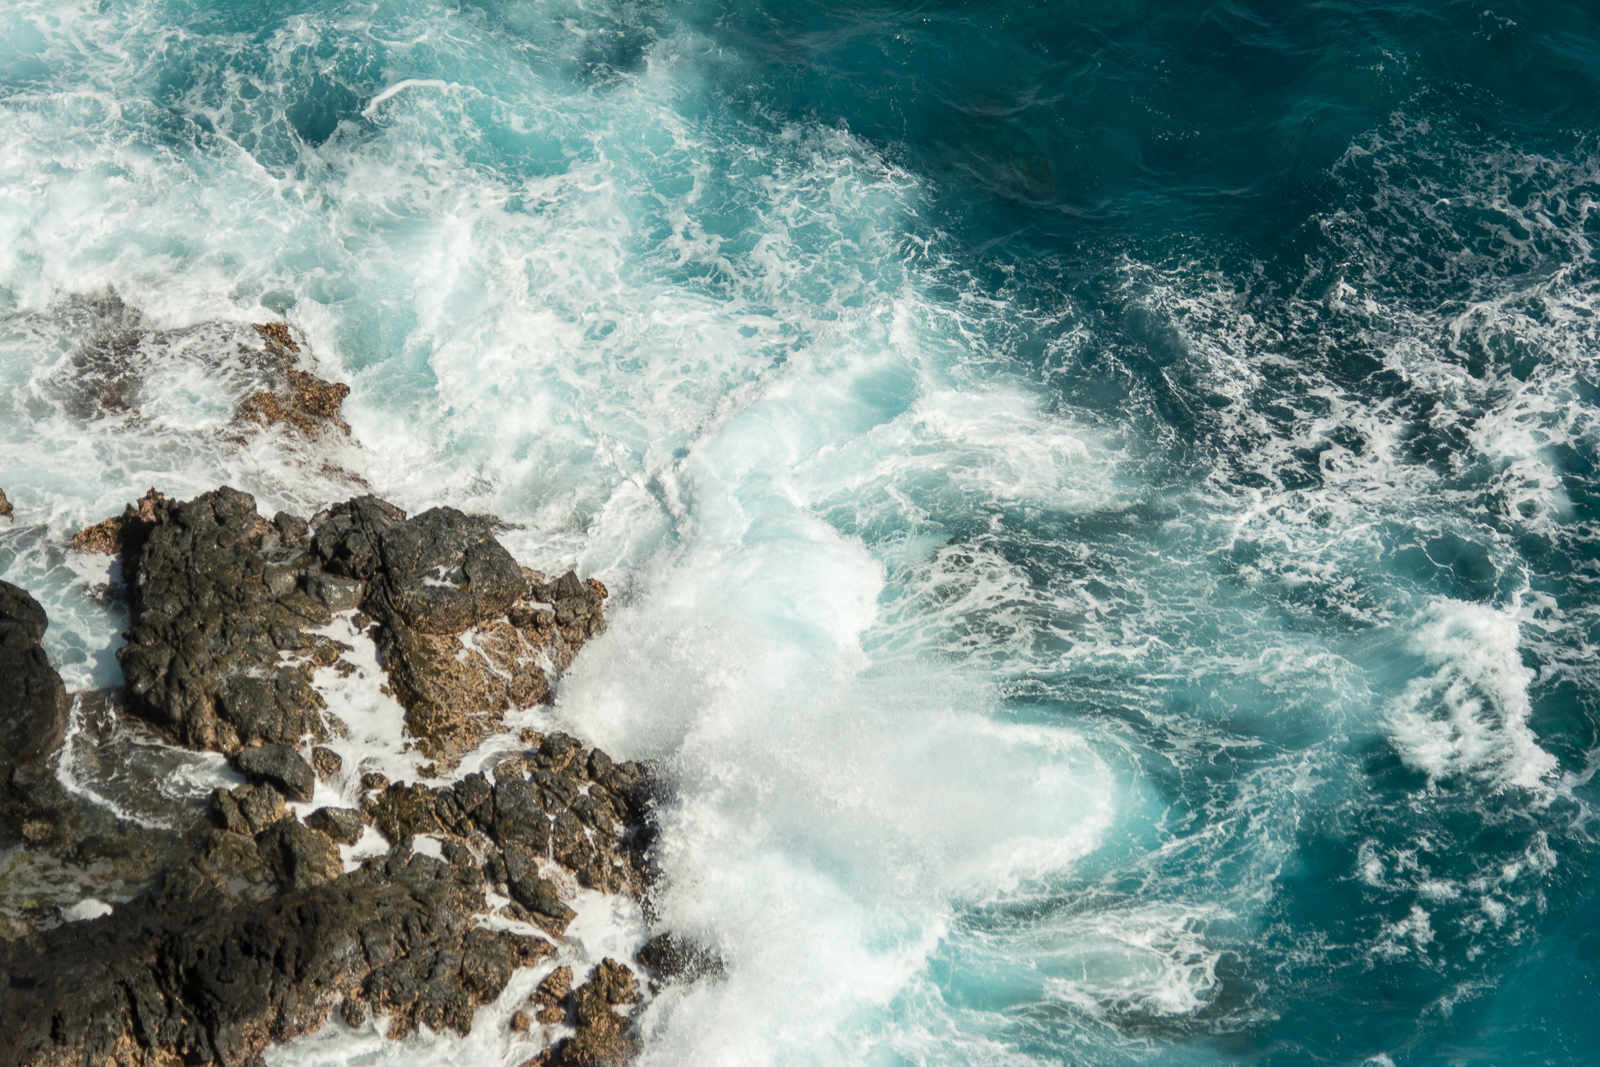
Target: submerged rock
x,y
33,722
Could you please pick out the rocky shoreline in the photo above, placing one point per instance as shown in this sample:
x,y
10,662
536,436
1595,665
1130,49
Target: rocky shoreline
x,y
412,902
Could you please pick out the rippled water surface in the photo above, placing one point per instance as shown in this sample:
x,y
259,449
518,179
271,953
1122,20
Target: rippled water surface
x,y
1101,497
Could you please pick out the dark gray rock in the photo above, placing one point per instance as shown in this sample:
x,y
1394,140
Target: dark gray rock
x,y
202,660
343,825
518,818
298,856
441,572
333,592
199,974
518,868
679,959
279,766
33,721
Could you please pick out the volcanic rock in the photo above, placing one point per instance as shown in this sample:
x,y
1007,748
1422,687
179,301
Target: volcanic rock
x,y
298,856
247,809
678,959
299,398
121,534
343,825
33,721
5,507
326,762
601,1039
198,974
280,766
202,660
552,991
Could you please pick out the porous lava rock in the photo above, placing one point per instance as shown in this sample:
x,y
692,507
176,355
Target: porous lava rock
x,y
679,959
280,766
342,825
297,398
432,579
197,974
222,650
559,801
602,1038
33,722
203,659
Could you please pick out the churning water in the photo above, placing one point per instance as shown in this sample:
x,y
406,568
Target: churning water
x,y
1101,497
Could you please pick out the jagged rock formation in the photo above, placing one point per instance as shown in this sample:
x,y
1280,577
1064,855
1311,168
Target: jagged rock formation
x,y
256,933
261,933
5,507
197,974
214,602
219,655
429,580
33,720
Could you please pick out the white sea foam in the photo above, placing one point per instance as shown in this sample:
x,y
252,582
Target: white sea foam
x,y
1470,716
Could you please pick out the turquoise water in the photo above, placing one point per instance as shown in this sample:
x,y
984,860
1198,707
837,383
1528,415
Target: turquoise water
x,y
1101,497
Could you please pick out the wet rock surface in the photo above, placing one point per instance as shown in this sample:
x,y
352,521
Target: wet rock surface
x,y
5,507
200,974
241,925
203,655
33,721
225,604
279,766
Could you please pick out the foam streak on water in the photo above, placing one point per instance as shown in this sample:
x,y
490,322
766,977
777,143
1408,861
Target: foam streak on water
x,y
1098,501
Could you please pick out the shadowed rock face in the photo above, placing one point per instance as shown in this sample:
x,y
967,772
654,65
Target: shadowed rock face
x,y
33,721
202,975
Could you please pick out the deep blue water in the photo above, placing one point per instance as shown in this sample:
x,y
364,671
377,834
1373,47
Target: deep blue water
x,y
1102,495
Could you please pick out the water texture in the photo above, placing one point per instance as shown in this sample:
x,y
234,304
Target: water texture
x,y
1101,497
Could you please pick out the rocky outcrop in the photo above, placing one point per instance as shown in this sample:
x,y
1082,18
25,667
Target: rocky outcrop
x,y
33,721
214,603
678,959
5,507
219,654
279,766
435,578
262,934
558,800
256,932
602,1038
200,975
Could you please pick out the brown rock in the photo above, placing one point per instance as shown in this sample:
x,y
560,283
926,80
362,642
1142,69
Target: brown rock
x,y
521,1023
454,696
5,507
555,987
301,400
326,762
120,533
602,1039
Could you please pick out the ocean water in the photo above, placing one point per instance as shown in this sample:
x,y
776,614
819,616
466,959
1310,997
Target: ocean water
x,y
1100,498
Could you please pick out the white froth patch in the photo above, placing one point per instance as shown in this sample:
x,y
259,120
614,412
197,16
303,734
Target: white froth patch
x,y
87,908
1470,716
